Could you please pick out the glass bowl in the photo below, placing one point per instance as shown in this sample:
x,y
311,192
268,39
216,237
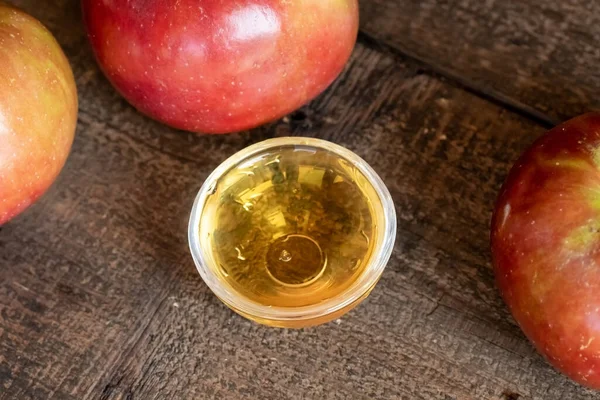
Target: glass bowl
x,y
292,232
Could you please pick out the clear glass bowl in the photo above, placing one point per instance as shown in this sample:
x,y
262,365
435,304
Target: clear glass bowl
x,y
291,316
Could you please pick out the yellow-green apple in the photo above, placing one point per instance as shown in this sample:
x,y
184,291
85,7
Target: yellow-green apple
x,y
38,110
218,66
546,246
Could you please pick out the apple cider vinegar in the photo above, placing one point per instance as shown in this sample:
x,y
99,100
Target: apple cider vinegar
x,y
289,227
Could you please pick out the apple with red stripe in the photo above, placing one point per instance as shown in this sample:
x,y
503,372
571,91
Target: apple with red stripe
x,y
546,246
38,110
217,66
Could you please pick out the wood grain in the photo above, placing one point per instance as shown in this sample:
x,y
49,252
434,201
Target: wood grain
x,y
99,298
539,56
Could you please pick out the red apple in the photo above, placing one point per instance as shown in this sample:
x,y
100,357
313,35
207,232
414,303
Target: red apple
x,y
38,110
217,66
546,246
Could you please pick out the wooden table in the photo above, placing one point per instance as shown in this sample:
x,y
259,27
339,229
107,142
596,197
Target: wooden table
x,y
99,297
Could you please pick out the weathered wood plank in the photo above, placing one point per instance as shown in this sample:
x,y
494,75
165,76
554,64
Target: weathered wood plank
x,y
540,56
99,298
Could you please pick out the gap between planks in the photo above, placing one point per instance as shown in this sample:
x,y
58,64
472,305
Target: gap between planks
x,y
439,72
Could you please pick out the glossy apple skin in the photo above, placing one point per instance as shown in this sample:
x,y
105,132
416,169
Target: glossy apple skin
x,y
218,66
546,246
38,110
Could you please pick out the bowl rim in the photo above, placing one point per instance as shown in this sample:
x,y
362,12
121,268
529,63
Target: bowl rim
x,y
356,292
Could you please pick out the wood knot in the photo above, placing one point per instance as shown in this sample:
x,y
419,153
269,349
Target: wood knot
x,y
508,395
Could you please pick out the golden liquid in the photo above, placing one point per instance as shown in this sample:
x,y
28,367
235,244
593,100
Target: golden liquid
x,y
292,227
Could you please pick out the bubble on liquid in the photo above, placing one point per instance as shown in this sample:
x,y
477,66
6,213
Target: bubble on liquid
x,y
362,232
285,256
248,206
276,160
240,256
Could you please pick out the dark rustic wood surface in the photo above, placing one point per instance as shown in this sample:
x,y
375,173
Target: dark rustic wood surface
x,y
99,298
538,56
